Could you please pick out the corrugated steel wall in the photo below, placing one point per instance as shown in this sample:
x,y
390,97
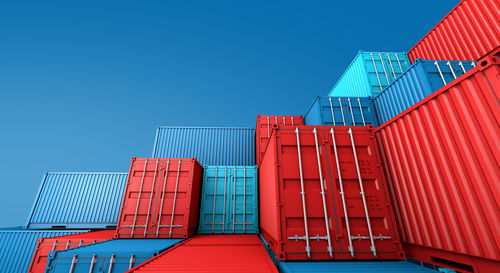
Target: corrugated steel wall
x,y
340,111
211,146
443,160
468,32
78,200
17,247
352,267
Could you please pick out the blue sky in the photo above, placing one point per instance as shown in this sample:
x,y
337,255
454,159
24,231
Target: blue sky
x,y
84,85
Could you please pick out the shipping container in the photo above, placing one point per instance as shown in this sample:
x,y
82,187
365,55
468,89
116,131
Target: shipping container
x,y
228,146
114,256
352,267
442,157
468,32
17,246
229,200
263,131
323,195
212,253
370,73
162,198
75,200
420,80
45,245
340,111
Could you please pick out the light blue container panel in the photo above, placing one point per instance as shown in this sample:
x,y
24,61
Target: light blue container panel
x,y
348,111
119,255
229,146
352,267
229,200
423,78
72,200
17,246
370,73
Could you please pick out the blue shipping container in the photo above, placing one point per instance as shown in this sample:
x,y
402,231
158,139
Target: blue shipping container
x,y
110,256
423,78
17,246
351,267
370,73
213,146
229,200
344,111
78,200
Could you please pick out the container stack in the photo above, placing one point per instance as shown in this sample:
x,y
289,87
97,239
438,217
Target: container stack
x,y
396,169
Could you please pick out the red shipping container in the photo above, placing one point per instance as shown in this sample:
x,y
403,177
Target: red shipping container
x,y
468,32
46,245
212,253
162,198
442,159
324,197
264,127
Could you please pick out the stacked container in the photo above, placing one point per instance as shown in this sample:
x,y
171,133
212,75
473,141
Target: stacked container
x,y
340,111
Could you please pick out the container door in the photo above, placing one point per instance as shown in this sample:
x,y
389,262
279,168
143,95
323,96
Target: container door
x,y
332,109
241,200
214,204
396,64
357,111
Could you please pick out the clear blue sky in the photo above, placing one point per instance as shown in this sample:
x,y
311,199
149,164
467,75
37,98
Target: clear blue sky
x,y
84,85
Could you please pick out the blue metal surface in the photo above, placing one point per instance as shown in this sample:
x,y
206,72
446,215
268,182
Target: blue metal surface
x,y
351,267
119,253
211,146
17,246
235,200
423,78
78,200
269,251
348,111
370,73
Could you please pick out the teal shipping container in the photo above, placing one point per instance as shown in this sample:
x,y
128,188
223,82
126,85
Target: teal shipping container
x,y
370,73
352,267
112,256
423,78
229,200
340,111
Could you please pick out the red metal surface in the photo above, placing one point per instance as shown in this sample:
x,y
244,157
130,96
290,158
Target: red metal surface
x,y
281,205
264,127
156,205
468,32
45,245
212,253
442,159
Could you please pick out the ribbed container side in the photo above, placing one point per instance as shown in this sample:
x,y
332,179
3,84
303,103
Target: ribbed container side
x,y
112,256
229,200
340,111
211,146
17,247
45,245
468,32
263,128
212,253
162,199
78,200
442,158
310,206
420,80
352,267
369,73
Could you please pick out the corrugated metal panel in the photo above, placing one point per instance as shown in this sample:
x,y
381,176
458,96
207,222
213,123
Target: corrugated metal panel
x,y
78,200
111,256
211,146
229,200
468,32
310,206
369,73
17,247
162,198
212,253
340,111
420,80
443,160
352,267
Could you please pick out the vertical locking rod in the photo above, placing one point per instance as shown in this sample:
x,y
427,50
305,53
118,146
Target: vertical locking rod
x,y
303,194
175,199
139,198
151,199
215,198
162,198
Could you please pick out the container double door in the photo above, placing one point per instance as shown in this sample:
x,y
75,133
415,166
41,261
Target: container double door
x,y
384,67
346,111
229,200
